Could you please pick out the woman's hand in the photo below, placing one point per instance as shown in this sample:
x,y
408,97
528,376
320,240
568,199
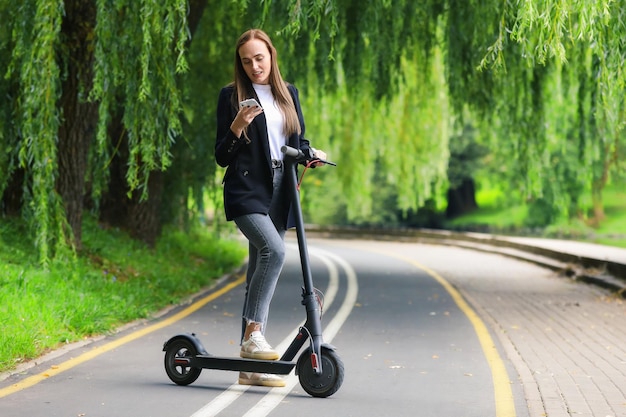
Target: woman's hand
x,y
318,154
244,117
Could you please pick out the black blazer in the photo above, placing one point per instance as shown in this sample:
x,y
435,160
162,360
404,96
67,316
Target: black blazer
x,y
248,185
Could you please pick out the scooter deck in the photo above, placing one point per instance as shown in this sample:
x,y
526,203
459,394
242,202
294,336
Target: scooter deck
x,y
237,364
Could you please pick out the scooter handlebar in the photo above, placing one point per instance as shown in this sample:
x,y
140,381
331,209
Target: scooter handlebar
x,y
298,155
292,152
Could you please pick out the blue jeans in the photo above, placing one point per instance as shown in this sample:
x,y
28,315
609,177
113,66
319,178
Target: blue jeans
x,y
266,247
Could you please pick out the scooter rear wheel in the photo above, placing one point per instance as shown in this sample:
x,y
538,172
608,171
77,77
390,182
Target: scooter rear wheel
x,y
329,381
176,369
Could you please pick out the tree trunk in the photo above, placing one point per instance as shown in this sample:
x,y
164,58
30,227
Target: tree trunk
x,y
142,219
596,200
196,9
77,130
13,193
114,200
598,208
461,200
597,188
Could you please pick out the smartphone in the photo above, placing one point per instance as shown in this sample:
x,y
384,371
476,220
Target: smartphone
x,y
249,103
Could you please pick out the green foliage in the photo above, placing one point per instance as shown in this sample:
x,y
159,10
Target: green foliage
x,y
193,172
541,213
139,53
400,144
545,92
383,85
35,68
466,155
469,31
558,98
116,280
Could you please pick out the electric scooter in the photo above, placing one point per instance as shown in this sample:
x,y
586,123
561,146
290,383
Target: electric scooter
x,y
319,368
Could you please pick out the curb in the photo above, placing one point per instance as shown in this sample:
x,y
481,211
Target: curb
x,y
600,272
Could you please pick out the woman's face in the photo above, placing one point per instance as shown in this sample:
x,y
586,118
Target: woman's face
x,y
256,61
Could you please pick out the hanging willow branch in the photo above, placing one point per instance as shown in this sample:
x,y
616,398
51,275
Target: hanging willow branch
x,y
140,51
35,61
382,83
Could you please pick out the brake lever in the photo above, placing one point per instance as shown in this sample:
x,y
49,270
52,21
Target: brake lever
x,y
323,161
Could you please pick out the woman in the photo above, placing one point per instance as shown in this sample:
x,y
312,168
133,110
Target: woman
x,y
248,144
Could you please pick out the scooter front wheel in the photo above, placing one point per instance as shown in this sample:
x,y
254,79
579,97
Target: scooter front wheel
x,y
177,366
329,381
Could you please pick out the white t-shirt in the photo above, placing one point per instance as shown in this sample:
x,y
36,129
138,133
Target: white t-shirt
x,y
275,120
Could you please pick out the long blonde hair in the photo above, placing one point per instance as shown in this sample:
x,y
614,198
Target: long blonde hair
x,y
244,89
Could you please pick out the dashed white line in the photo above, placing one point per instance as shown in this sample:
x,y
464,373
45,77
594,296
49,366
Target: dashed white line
x,y
273,398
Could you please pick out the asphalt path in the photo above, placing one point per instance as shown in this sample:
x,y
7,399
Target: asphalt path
x,y
398,314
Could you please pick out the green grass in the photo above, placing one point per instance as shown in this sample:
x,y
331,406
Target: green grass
x,y
615,210
115,280
612,231
497,216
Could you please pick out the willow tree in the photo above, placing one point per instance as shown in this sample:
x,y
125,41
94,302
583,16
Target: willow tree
x,y
73,67
111,101
543,79
550,87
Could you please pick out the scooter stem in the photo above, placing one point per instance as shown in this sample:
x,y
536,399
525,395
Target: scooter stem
x,y
313,323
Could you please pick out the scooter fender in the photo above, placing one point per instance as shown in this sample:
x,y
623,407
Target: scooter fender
x,y
190,337
329,346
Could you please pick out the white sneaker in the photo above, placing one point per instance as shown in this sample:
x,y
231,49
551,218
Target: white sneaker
x,y
263,380
256,347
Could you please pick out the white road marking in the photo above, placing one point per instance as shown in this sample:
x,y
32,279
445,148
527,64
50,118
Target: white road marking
x,y
274,397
